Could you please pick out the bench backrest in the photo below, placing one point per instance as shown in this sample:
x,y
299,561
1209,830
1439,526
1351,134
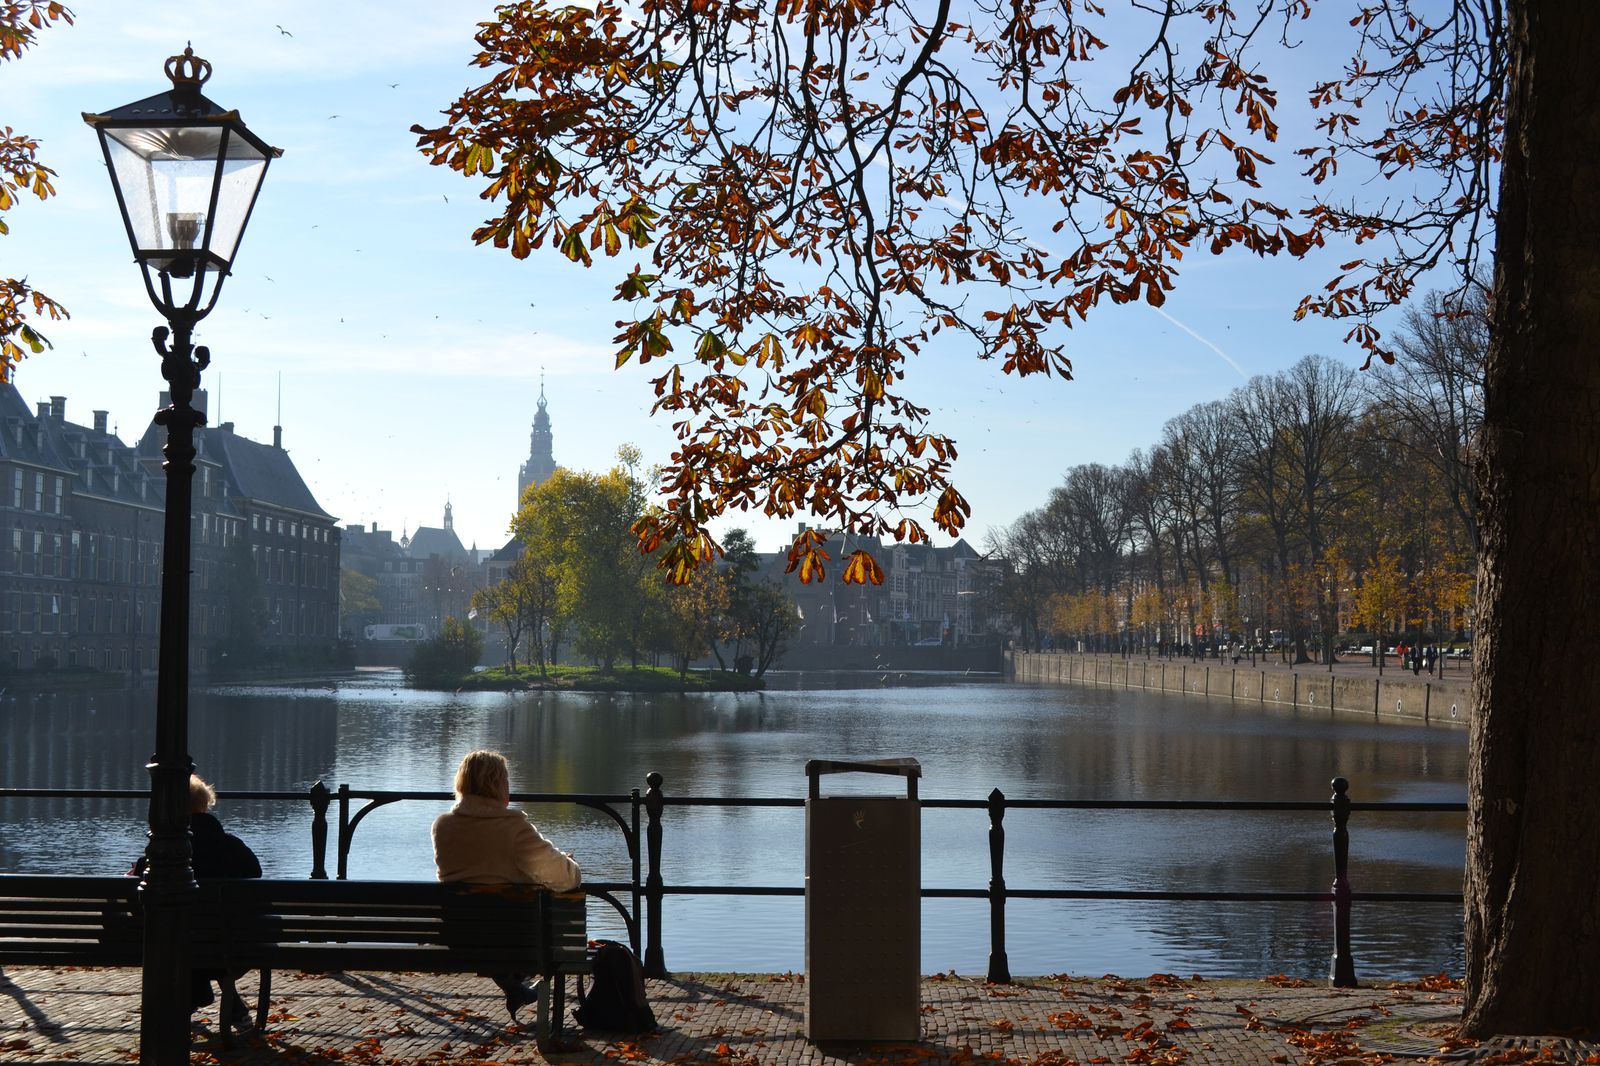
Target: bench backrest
x,y
70,920
414,925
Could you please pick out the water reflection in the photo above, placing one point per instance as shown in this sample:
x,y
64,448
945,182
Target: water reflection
x,y
970,737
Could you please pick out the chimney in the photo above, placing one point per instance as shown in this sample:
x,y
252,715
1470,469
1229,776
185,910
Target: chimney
x,y
277,437
44,409
58,408
374,527
226,427
100,421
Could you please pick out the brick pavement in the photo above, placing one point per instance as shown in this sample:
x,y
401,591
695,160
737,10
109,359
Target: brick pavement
x,y
86,1016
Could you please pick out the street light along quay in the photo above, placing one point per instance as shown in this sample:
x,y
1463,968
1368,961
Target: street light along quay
x,y
186,173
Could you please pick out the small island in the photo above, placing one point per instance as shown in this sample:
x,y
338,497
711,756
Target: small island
x,y
594,679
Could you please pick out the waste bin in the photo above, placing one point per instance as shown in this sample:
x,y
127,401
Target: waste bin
x,y
863,907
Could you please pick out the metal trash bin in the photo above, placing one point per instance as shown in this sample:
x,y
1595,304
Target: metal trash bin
x,y
863,908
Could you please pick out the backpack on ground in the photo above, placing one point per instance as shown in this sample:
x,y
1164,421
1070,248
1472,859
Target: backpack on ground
x,y
615,1001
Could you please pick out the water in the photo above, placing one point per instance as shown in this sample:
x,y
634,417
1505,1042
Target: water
x,y
1031,742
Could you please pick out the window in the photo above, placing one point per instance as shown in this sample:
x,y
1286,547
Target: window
x,y
60,491
38,492
16,489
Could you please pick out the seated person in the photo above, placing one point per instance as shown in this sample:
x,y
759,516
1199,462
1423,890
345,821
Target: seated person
x,y
216,853
481,840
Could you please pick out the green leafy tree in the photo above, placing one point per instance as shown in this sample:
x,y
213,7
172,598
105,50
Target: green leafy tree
x,y
21,173
771,619
441,661
504,604
580,526
695,613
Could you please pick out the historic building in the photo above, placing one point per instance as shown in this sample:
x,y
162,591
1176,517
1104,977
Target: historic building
x,y
251,502
81,529
541,453
422,578
927,596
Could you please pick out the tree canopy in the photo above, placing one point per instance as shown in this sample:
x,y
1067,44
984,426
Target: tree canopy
x,y
822,188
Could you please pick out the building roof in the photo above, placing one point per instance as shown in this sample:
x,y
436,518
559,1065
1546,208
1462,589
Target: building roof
x,y
430,540
99,463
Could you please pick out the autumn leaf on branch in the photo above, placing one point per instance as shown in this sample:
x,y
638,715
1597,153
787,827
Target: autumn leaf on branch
x,y
21,172
824,191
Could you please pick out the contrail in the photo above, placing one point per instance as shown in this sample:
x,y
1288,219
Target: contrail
x,y
1226,358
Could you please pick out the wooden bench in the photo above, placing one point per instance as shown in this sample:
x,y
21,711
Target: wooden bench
x,y
310,925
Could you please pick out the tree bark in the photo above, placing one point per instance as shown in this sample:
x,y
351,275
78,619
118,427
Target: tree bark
x,y
1533,863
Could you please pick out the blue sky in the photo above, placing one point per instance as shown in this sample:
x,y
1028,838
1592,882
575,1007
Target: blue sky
x,y
409,361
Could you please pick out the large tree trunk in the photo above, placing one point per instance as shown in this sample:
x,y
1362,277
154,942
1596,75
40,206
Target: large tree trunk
x,y
1533,862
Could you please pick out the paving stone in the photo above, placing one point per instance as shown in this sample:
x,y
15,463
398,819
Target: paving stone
x,y
90,1016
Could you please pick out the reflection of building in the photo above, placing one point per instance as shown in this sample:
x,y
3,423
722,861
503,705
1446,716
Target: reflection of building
x,y
81,527
926,597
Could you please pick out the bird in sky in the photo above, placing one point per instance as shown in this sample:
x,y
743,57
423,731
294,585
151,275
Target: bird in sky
x,y
283,31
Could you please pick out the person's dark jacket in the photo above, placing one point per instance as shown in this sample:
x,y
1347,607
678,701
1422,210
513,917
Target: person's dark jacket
x,y
218,853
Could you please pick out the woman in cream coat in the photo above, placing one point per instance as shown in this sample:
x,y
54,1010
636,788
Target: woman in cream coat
x,y
484,841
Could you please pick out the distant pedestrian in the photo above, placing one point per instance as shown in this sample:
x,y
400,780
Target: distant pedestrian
x,y
1416,661
1432,657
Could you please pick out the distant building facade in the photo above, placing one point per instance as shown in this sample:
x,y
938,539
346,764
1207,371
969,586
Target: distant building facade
x,y
81,530
927,596
421,579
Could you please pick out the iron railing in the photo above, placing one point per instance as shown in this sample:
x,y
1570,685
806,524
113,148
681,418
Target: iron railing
x,y
639,816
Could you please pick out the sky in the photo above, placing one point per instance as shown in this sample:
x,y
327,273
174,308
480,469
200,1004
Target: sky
x,y
404,363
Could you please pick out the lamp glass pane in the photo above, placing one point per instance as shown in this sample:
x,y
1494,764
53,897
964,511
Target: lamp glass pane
x,y
166,173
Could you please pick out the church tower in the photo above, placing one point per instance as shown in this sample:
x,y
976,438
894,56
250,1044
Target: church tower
x,y
541,457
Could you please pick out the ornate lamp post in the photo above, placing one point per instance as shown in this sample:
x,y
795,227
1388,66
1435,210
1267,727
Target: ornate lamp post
x,y
186,173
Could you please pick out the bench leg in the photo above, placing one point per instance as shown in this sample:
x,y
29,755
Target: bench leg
x,y
541,1032
558,1006
263,991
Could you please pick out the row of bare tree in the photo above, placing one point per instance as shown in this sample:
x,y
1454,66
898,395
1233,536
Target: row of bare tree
x,y
1306,502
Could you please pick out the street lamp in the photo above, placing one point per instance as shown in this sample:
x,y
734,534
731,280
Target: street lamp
x,y
186,173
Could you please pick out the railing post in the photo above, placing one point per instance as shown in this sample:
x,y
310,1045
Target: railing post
x,y
999,967
654,963
1343,972
638,893
320,798
344,832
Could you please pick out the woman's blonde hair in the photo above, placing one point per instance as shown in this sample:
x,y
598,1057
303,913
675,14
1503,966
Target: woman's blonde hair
x,y
202,797
483,773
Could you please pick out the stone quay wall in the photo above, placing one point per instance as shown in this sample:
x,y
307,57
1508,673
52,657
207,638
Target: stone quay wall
x,y
1411,698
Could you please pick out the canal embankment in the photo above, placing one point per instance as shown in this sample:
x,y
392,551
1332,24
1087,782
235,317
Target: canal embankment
x,y
1350,691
